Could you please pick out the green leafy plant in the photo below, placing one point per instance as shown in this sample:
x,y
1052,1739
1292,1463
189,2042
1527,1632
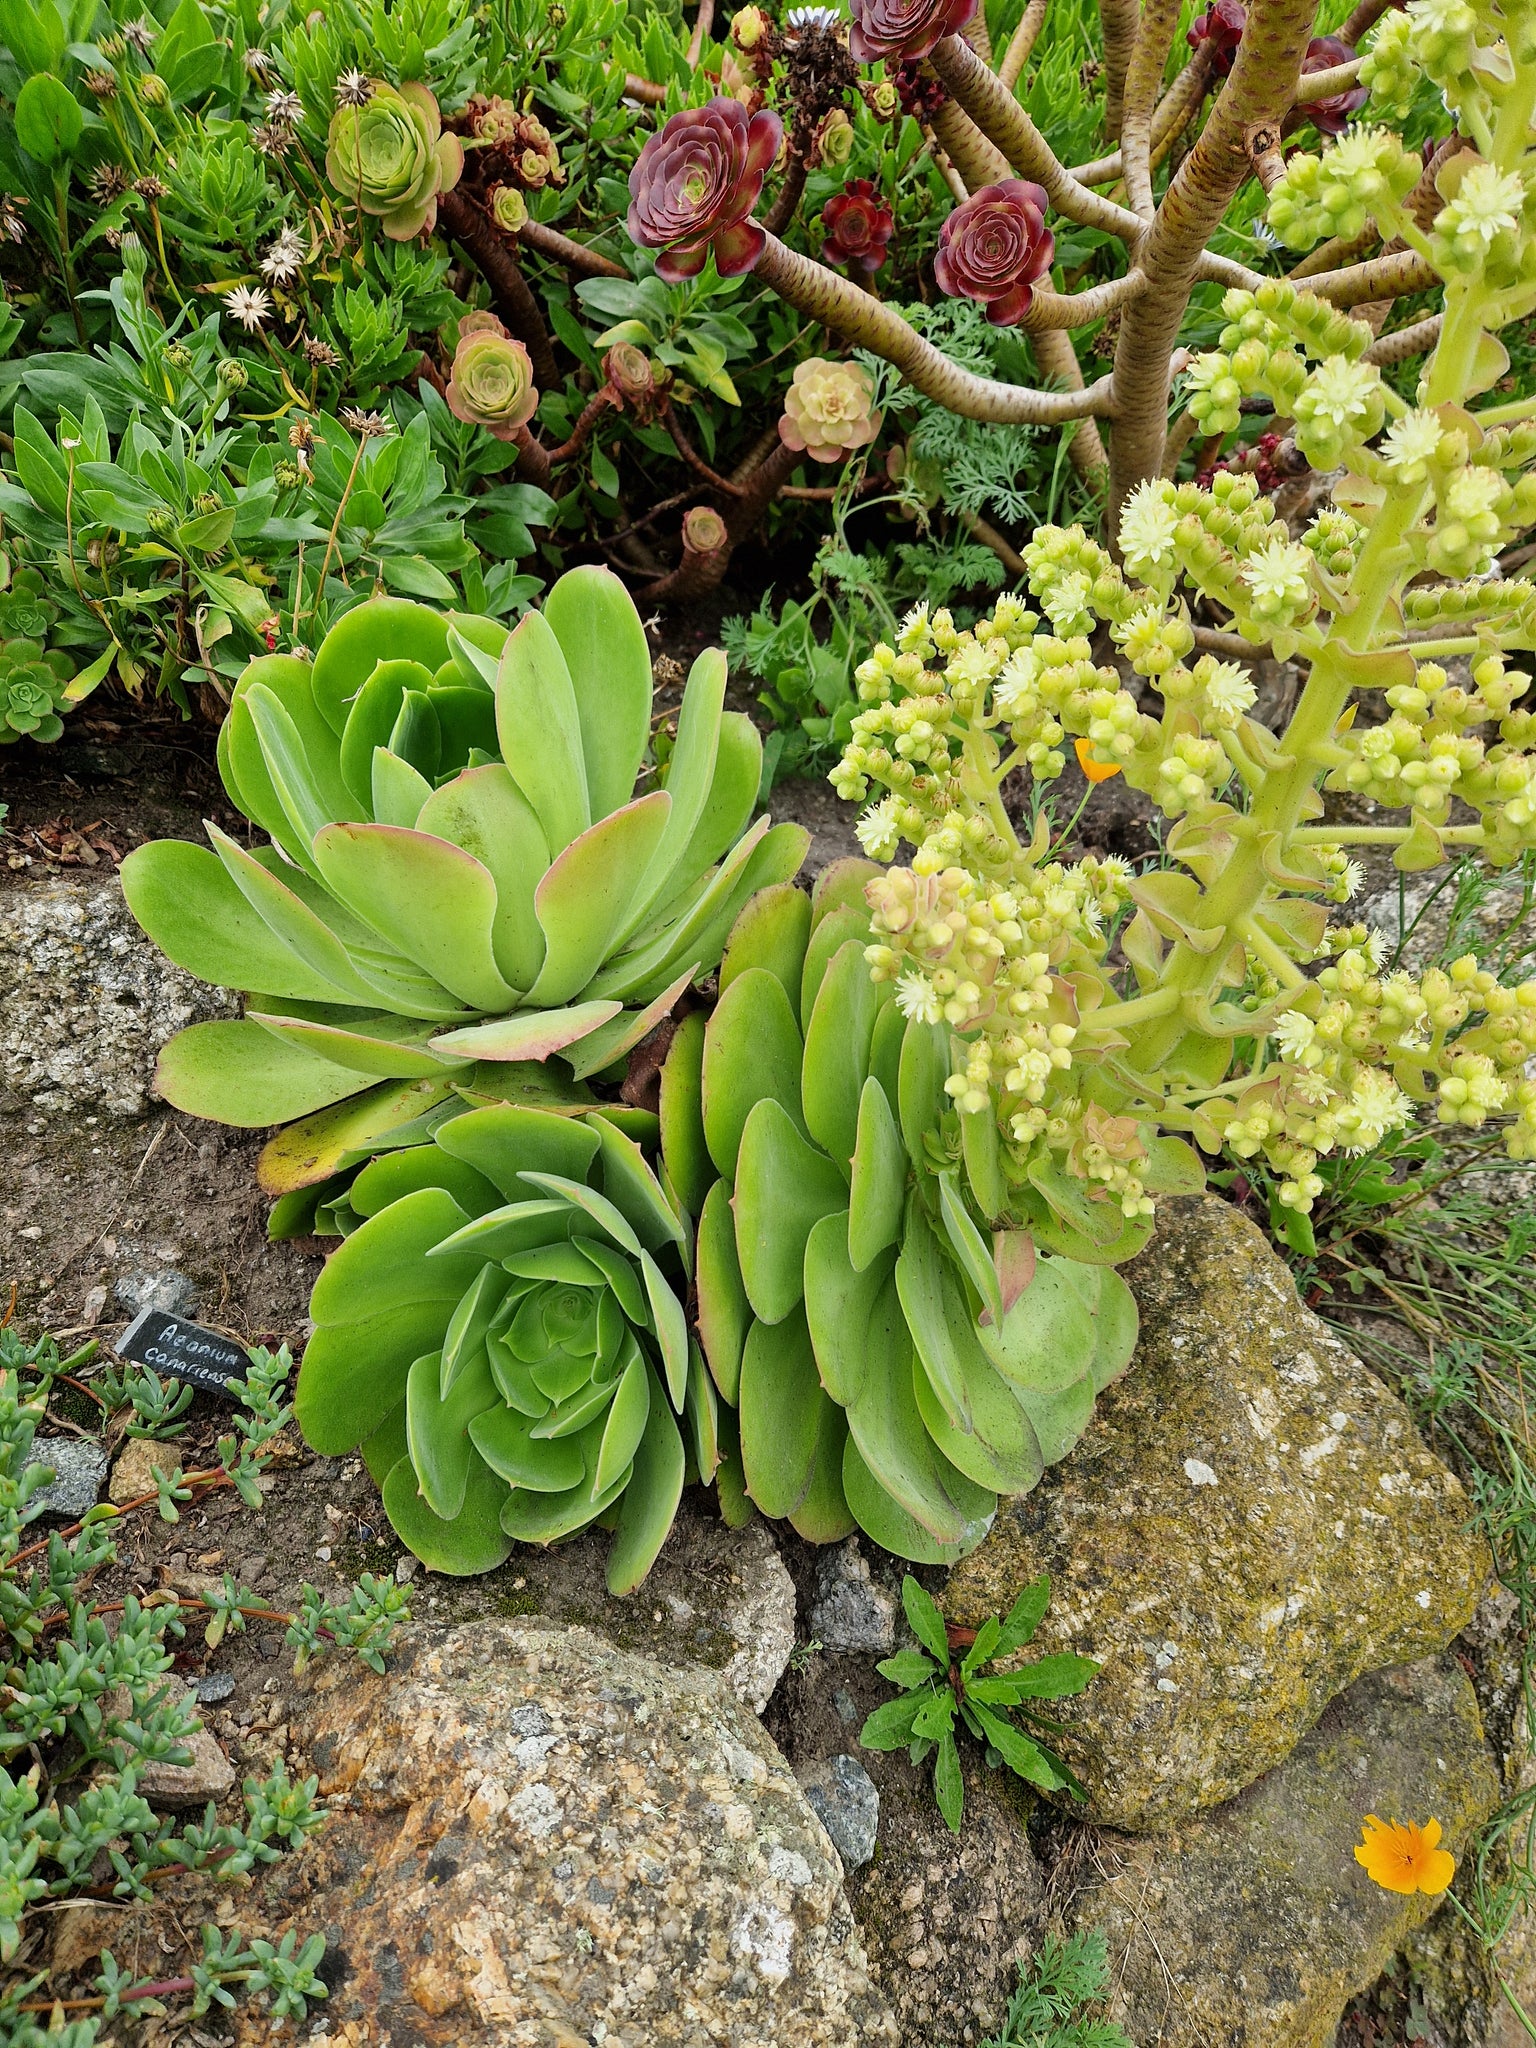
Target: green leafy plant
x,y
89,1703
941,1690
893,1364
504,1334
1046,2011
460,878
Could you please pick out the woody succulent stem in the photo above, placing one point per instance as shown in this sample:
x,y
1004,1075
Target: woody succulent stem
x,y
824,296
462,219
1260,91
702,570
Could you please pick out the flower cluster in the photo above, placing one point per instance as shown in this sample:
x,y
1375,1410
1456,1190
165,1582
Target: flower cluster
x,y
1007,948
1358,1049
1365,176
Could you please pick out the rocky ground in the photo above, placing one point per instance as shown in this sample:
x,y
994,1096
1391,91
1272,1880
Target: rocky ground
x,y
562,1819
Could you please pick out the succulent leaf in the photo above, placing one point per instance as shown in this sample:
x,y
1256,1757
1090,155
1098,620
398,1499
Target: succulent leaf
x,y
837,1047
609,663
784,1187
772,932
236,1073
752,1050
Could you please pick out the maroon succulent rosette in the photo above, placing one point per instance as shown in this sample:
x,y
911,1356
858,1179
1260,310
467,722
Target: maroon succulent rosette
x,y
895,29
695,185
1330,116
996,248
858,226
1221,26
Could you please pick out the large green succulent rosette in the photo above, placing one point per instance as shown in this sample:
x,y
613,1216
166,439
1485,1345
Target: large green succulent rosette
x,y
461,897
391,156
503,1333
898,1351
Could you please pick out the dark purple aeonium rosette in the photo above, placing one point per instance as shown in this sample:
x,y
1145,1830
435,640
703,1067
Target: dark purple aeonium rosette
x,y
1330,116
1222,27
895,29
996,248
695,185
858,224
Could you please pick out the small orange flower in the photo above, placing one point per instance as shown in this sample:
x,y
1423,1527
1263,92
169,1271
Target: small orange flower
x,y
1401,1856
1095,770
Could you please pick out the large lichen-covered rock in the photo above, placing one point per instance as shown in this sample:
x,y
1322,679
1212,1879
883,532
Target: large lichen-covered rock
x,y
538,1838
1250,1523
1254,1926
88,1001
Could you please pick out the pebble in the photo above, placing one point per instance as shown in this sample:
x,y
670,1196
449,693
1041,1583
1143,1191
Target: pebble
x,y
79,1465
134,1470
167,1290
847,1803
209,1775
850,1611
761,1616
214,1687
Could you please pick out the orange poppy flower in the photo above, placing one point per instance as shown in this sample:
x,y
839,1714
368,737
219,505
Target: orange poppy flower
x,y
1401,1856
1095,770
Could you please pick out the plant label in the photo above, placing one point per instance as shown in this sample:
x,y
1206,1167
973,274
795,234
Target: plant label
x,y
169,1344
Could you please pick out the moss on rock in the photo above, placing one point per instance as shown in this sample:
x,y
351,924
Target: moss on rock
x,y
1250,1523
1253,1926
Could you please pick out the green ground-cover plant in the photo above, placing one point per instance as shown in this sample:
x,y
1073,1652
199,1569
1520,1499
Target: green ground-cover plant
x,y
88,1704
952,1683
892,1366
460,878
1055,1986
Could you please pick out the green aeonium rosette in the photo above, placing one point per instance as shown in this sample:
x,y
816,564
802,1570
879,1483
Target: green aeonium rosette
x,y
503,1333
491,382
392,157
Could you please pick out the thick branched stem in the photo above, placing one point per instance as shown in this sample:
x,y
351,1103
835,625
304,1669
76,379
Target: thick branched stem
x,y
978,161
702,570
1143,81
824,296
1057,359
1023,40
1119,19
574,255
463,220
1384,277
1260,90
1406,342
782,211
1004,122
1175,110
